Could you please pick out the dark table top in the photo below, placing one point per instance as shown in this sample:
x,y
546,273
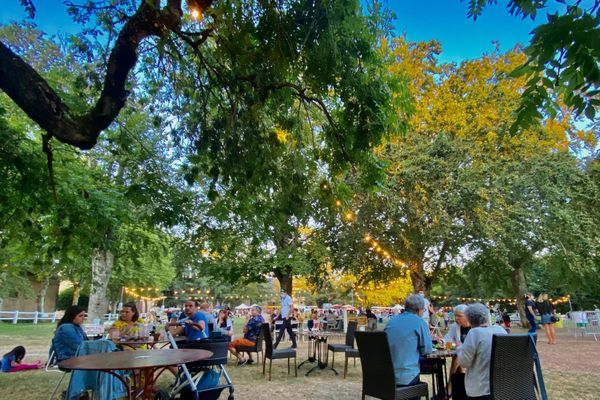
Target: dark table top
x,y
125,360
442,354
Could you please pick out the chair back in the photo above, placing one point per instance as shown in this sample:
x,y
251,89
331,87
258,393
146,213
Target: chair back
x,y
260,338
350,333
511,367
376,363
266,331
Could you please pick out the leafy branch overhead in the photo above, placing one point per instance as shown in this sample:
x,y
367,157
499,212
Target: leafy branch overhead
x,y
244,58
563,58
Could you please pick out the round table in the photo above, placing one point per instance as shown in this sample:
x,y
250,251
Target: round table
x,y
143,364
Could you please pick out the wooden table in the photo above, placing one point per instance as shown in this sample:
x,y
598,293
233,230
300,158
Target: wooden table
x,y
137,343
143,365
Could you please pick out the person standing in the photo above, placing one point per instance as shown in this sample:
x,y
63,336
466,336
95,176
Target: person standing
x,y
530,313
285,315
546,310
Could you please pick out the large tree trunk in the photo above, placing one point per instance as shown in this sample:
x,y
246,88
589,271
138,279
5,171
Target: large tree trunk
x,y
285,281
102,264
417,276
76,293
41,297
520,289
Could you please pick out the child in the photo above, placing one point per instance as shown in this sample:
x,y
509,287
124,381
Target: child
x,y
11,361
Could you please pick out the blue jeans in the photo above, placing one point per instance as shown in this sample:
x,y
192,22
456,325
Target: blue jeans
x,y
532,324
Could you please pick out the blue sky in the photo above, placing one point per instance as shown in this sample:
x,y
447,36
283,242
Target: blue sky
x,y
444,20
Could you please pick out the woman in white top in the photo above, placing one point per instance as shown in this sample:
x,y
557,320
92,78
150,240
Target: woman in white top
x,y
476,351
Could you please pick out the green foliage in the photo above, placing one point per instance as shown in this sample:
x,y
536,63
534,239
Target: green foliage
x,y
563,56
65,299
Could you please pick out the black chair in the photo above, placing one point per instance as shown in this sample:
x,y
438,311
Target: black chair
x,y
257,348
512,368
276,354
349,343
378,371
350,353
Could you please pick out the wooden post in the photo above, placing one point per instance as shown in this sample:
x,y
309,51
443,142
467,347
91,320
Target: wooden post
x,y
35,317
16,318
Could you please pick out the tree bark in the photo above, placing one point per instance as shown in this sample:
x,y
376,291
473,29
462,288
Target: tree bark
x,y
417,276
102,264
519,285
41,298
285,281
42,104
76,293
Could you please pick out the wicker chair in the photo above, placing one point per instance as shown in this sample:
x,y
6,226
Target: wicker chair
x,y
257,348
348,344
378,371
512,368
276,354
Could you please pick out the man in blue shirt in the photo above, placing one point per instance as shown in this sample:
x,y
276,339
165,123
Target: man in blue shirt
x,y
194,325
251,331
408,338
285,314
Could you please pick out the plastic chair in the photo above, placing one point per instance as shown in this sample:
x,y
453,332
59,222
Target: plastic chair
x,y
275,354
512,368
379,380
348,344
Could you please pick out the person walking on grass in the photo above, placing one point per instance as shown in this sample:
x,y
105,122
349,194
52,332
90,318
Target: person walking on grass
x,y
285,314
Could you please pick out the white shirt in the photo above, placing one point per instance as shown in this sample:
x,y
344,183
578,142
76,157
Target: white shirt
x,y
475,355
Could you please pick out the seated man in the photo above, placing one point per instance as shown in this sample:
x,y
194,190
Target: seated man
x,y
251,331
408,337
194,324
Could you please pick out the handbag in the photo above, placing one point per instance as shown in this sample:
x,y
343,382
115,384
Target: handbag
x,y
553,318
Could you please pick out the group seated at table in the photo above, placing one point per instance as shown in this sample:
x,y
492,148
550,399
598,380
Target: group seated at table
x,y
409,339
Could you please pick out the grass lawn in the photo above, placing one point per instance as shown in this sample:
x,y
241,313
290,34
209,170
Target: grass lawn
x,y
571,371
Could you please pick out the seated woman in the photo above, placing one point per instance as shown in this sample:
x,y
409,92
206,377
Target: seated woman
x,y
476,352
224,324
69,334
125,326
457,334
11,361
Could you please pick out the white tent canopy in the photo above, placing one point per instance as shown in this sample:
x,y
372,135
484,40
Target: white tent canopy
x,y
242,307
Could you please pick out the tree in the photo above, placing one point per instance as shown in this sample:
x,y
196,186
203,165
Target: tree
x,y
563,56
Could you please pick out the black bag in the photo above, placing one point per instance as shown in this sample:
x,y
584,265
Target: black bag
x,y
553,318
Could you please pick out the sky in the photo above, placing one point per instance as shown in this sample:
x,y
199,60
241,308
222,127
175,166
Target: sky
x,y
443,20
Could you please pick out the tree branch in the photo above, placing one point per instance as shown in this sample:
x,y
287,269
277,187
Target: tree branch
x,y
42,104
